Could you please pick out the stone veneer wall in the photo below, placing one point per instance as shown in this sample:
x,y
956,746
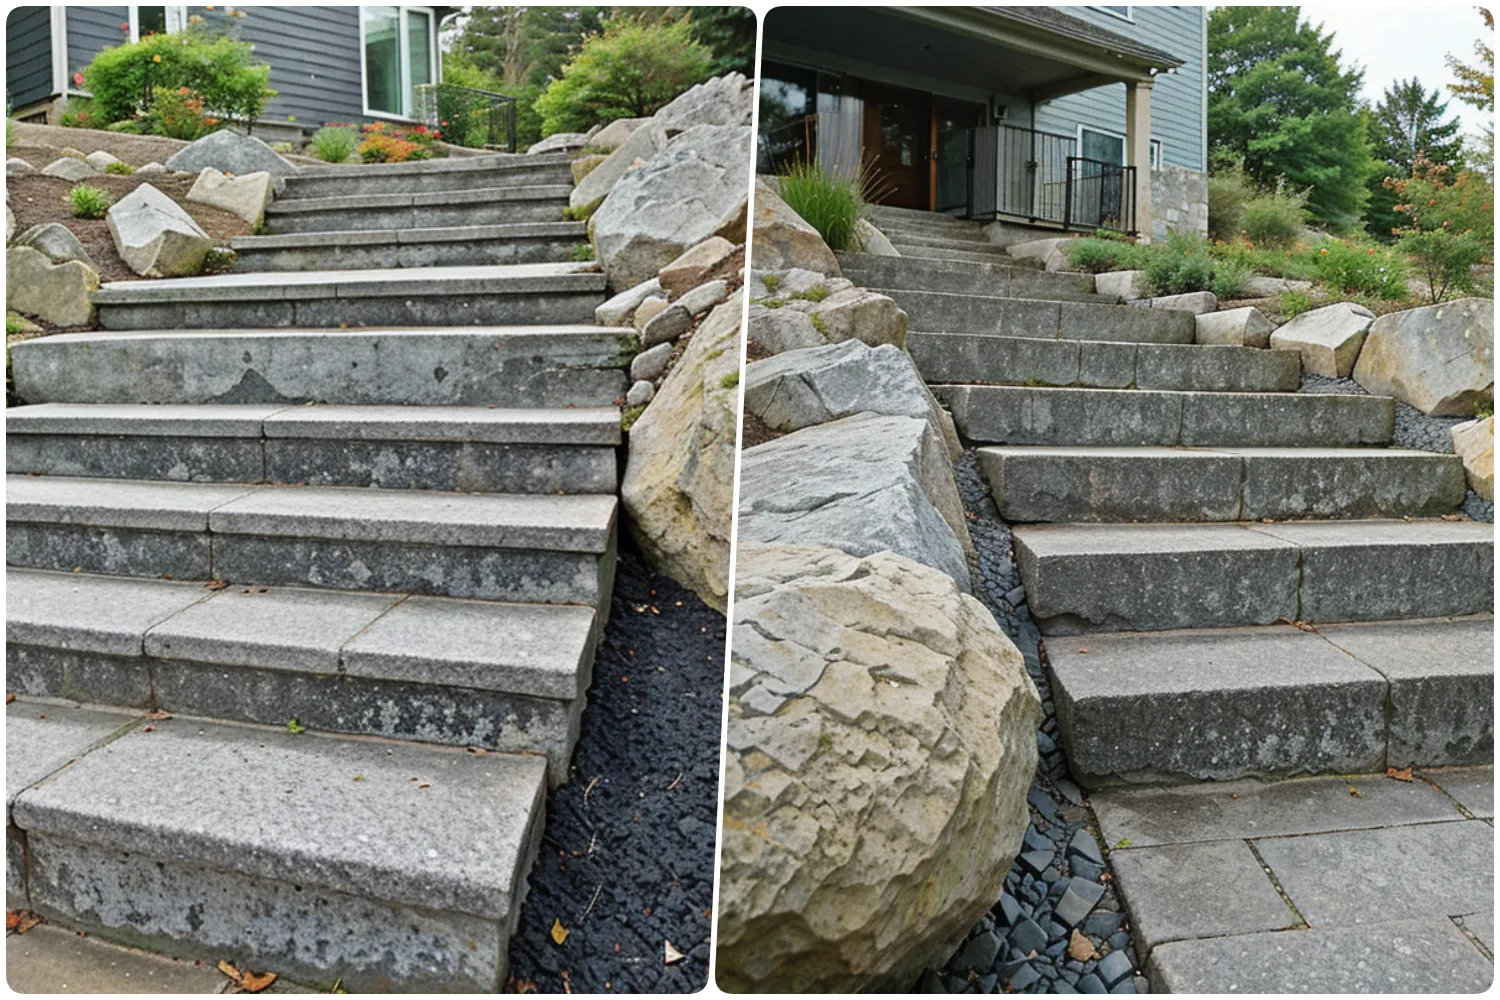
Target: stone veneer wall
x,y
1179,202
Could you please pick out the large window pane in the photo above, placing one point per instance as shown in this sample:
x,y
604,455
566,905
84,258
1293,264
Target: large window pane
x,y
383,59
419,46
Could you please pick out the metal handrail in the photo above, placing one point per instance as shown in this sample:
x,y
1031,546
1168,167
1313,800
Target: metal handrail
x,y
464,108
1028,174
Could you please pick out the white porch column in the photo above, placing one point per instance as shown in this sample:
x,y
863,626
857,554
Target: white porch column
x,y
1138,150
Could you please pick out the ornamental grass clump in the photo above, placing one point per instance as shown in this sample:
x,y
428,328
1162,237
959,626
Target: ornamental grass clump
x,y
334,144
830,204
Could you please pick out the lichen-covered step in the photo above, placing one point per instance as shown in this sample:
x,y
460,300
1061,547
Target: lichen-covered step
x,y
1001,278
387,866
503,547
522,366
1222,484
470,449
416,176
1218,704
1026,415
501,676
1149,577
1027,361
515,243
431,296
1042,319
470,207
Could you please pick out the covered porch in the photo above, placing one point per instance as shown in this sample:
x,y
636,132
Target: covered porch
x,y
939,103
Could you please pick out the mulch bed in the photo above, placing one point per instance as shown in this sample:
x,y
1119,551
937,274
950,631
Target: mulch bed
x,y
36,199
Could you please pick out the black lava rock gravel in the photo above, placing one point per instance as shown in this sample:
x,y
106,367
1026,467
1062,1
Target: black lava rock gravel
x,y
627,858
1060,882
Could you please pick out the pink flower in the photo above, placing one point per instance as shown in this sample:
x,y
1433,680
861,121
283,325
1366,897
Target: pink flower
x,y
78,79
125,26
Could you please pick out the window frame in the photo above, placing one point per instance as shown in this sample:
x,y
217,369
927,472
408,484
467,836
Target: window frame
x,y
176,19
434,56
1158,148
1128,16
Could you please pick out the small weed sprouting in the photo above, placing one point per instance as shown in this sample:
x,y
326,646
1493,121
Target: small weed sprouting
x,y
582,213
1295,302
583,252
818,324
89,202
218,260
14,323
772,282
119,168
817,293
630,416
731,380
294,727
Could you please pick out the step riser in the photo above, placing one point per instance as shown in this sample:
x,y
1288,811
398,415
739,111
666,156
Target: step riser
x,y
1023,416
363,706
358,182
483,573
939,312
1143,592
932,235
431,309
981,359
917,252
355,368
939,276
1194,487
512,250
421,217
467,467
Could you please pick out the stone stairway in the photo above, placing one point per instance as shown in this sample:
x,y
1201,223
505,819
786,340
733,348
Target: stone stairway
x,y
362,486
1194,526
933,236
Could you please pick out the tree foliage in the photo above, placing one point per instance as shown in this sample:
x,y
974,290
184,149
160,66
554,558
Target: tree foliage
x,y
524,46
1406,126
728,32
1476,84
1279,98
1449,227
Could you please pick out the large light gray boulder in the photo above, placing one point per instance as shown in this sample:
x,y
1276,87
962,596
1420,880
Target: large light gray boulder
x,y
798,389
68,169
858,684
1259,286
1328,339
245,195
862,484
784,240
620,308
1474,442
724,100
873,241
559,142
1051,252
56,241
15,167
849,314
632,154
696,265
696,187
1440,359
100,159
678,485
57,293
232,153
155,236
1196,303
1125,284
612,136
1243,327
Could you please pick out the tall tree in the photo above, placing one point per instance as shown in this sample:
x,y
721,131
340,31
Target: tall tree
x,y
525,46
1409,121
1279,98
728,32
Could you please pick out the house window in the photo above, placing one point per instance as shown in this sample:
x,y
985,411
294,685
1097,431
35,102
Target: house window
x,y
1121,12
155,21
1109,147
400,54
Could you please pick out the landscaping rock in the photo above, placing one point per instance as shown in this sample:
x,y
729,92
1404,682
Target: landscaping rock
x,y
859,683
1260,286
56,241
852,313
620,310
100,159
1196,303
10,223
640,394
796,282
71,153
245,195
56,293
783,240
154,235
666,326
1328,339
1440,358
613,135
632,154
1474,442
693,189
151,169
700,300
1051,252
232,153
724,100
648,310
1244,327
582,166
648,364
862,484
873,241
695,265
15,167
678,485
559,142
1125,284
69,169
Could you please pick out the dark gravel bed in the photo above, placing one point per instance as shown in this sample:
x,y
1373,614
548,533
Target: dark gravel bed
x,y
1061,882
627,859
1414,430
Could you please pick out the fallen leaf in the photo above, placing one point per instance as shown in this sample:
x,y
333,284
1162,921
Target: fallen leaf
x,y
1453,517
559,932
9,698
1400,774
1081,949
215,585
247,981
158,716
1305,626
11,920
25,921
673,955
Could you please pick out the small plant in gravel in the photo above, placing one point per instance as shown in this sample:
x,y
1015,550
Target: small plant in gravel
x,y
334,144
119,169
89,202
583,252
79,113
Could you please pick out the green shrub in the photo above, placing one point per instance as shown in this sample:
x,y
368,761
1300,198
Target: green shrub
x,y
178,114
1355,270
1096,255
832,205
1449,226
1273,262
583,252
220,70
1274,218
1295,302
119,169
1186,264
129,126
79,113
89,202
334,144
1228,194
1444,260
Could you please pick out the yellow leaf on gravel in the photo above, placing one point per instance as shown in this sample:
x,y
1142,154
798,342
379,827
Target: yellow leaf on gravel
x,y
673,955
559,932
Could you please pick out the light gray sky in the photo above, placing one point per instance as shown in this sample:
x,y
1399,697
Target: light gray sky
x,y
1400,41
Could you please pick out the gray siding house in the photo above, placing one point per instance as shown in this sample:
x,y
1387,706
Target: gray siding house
x,y
1072,117
328,63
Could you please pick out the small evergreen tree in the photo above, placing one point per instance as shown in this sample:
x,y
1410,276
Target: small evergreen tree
x,y
1405,126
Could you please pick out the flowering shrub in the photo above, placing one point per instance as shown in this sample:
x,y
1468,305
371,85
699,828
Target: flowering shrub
x,y
78,113
178,114
1451,226
1352,269
221,71
383,142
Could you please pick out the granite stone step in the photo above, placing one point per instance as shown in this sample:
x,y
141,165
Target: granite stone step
x,y
417,176
438,296
964,241
507,677
516,243
999,278
468,449
515,367
960,234
1087,364
466,207
1070,484
502,547
1042,319
1026,415
947,250
384,865
1275,701
1085,578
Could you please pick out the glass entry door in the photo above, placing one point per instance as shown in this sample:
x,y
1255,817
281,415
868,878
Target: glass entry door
x,y
954,120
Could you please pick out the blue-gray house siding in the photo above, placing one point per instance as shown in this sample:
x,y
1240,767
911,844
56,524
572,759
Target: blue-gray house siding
x,y
28,55
91,29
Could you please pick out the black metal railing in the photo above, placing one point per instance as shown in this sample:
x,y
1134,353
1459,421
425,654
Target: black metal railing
x,y
1033,176
466,116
